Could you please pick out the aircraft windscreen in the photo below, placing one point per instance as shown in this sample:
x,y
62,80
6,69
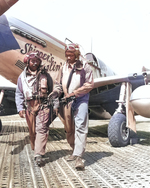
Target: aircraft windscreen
x,y
105,70
92,59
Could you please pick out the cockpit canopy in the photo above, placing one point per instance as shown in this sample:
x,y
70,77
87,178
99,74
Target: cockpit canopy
x,y
96,62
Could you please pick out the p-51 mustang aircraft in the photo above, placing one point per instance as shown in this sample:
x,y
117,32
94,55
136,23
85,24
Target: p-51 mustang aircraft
x,y
18,38
115,97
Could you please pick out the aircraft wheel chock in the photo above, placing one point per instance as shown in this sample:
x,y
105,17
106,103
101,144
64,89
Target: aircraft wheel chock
x,y
118,133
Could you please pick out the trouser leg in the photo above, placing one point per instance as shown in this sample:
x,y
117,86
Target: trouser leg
x,y
81,128
40,143
30,118
66,116
43,121
70,139
33,106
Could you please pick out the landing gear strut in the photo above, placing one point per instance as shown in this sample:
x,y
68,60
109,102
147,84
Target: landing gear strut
x,y
1,98
0,125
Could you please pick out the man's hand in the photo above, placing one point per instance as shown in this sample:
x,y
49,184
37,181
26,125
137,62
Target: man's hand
x,y
56,111
68,98
69,95
56,105
53,94
22,113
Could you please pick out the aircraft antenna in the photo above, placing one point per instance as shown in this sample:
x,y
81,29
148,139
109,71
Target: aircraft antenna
x,y
66,39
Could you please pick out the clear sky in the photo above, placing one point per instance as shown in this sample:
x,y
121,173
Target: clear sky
x,y
116,31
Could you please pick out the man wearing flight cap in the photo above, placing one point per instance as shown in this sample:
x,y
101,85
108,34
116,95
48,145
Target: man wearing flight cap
x,y
33,87
77,81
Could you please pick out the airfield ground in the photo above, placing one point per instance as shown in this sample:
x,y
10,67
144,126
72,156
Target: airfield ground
x,y
105,166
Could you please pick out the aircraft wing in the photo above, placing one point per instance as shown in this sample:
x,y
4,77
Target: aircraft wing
x,y
106,92
132,78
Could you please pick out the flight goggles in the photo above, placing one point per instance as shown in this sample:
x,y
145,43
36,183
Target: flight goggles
x,y
71,47
31,56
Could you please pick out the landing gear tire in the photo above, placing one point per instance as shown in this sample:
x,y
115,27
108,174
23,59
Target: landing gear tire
x,y
118,133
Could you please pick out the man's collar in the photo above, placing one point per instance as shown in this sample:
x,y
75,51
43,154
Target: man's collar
x,y
78,65
29,72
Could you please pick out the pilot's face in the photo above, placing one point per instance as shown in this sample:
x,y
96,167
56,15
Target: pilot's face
x,y
34,64
70,56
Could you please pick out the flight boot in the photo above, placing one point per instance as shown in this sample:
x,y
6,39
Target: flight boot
x,y
79,164
39,161
71,158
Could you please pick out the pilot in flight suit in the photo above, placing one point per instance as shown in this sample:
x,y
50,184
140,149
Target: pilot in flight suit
x,y
33,87
77,80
